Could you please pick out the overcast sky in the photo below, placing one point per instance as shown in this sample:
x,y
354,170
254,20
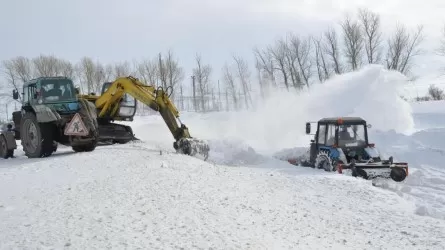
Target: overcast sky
x,y
111,30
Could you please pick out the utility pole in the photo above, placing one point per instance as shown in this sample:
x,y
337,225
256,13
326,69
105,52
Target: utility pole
x,y
194,93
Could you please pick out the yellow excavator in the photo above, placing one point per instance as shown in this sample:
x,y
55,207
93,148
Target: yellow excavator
x,y
118,103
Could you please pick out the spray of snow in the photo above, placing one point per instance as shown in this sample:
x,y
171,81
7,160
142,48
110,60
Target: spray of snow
x,y
278,122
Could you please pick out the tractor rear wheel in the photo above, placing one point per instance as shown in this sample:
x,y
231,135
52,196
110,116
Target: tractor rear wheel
x,y
37,138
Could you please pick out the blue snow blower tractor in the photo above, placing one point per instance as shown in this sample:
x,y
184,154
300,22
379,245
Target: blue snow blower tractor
x,y
341,144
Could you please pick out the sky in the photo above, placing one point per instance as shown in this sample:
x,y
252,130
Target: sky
x,y
113,31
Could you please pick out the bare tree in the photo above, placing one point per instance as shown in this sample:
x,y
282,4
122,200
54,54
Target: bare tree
x,y
148,71
202,76
45,66
243,73
174,73
402,48
10,75
86,71
302,49
67,69
279,55
320,60
231,88
259,76
373,36
265,65
121,69
22,68
291,64
353,41
100,76
332,50
436,93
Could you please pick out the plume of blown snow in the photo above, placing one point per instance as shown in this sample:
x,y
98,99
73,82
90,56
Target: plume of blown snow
x,y
278,122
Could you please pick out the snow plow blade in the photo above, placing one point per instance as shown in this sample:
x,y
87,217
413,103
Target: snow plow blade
x,y
193,147
395,171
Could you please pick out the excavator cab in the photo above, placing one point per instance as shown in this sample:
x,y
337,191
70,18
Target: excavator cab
x,y
127,107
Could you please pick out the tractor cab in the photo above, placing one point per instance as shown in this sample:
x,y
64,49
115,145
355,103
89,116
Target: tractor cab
x,y
55,92
343,138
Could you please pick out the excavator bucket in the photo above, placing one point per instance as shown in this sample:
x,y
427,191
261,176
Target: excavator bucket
x,y
193,147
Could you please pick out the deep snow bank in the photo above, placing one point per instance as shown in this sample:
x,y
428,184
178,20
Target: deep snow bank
x,y
138,198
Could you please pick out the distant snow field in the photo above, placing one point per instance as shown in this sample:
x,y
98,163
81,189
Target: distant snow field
x,y
143,195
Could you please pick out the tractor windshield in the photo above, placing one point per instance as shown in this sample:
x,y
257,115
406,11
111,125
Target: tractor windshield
x,y
351,135
56,90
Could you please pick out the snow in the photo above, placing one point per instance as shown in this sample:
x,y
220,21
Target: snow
x,y
143,195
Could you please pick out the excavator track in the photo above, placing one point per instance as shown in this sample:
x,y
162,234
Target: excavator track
x,y
193,147
116,133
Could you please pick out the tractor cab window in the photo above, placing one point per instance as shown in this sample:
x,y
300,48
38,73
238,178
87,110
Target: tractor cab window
x,y
330,136
29,93
57,90
351,135
321,134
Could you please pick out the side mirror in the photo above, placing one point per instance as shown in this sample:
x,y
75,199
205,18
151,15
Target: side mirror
x,y
308,128
15,94
369,125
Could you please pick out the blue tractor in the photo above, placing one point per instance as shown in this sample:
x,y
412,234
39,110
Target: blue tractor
x,y
341,144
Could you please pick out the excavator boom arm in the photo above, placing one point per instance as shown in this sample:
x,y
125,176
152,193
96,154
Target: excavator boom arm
x,y
157,99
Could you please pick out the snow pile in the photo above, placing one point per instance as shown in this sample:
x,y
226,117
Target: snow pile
x,y
372,93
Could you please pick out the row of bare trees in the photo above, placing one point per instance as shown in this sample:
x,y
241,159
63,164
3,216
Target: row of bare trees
x,y
90,74
298,61
160,70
